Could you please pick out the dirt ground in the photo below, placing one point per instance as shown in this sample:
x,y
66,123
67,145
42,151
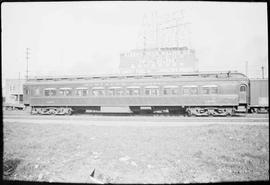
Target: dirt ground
x,y
122,154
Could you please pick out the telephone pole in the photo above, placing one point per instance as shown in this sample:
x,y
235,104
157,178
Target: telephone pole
x,y
27,58
19,88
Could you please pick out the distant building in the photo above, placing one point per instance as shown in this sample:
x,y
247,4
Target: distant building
x,y
3,96
170,59
13,93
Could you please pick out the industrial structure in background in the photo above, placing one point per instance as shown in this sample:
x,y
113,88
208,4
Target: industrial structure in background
x,y
163,46
13,90
13,97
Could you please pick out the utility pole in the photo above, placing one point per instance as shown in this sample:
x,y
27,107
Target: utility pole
x,y
27,58
157,30
262,72
19,88
246,68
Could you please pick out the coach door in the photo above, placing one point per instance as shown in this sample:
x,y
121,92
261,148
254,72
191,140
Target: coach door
x,y
243,94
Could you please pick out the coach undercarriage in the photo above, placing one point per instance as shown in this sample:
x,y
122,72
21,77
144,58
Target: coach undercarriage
x,y
189,111
210,111
51,110
61,110
259,110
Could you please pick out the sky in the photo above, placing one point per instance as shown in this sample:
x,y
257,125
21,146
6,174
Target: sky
x,y
82,38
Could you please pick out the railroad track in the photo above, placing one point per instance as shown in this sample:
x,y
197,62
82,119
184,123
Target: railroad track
x,y
127,117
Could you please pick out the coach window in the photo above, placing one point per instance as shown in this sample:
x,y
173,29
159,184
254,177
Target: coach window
x,y
170,90
115,91
185,90
50,92
166,91
209,89
119,91
152,90
205,90
174,90
133,90
193,90
110,92
98,91
213,90
147,91
190,90
66,91
81,91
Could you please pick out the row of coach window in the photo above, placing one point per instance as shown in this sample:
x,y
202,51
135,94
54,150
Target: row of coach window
x,y
131,91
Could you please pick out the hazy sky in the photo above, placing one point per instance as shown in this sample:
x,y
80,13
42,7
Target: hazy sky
x,y
69,38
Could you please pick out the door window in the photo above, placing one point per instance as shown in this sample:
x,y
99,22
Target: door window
x,y
243,88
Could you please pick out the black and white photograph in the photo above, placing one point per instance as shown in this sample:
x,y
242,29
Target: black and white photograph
x,y
135,92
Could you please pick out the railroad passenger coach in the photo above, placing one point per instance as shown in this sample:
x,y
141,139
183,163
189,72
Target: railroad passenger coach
x,y
216,93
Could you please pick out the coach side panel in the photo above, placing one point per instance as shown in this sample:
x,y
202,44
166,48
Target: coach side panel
x,y
226,95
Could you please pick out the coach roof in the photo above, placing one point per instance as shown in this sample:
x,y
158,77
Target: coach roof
x,y
227,74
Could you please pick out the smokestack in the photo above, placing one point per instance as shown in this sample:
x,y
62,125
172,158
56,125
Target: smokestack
x,y
262,72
